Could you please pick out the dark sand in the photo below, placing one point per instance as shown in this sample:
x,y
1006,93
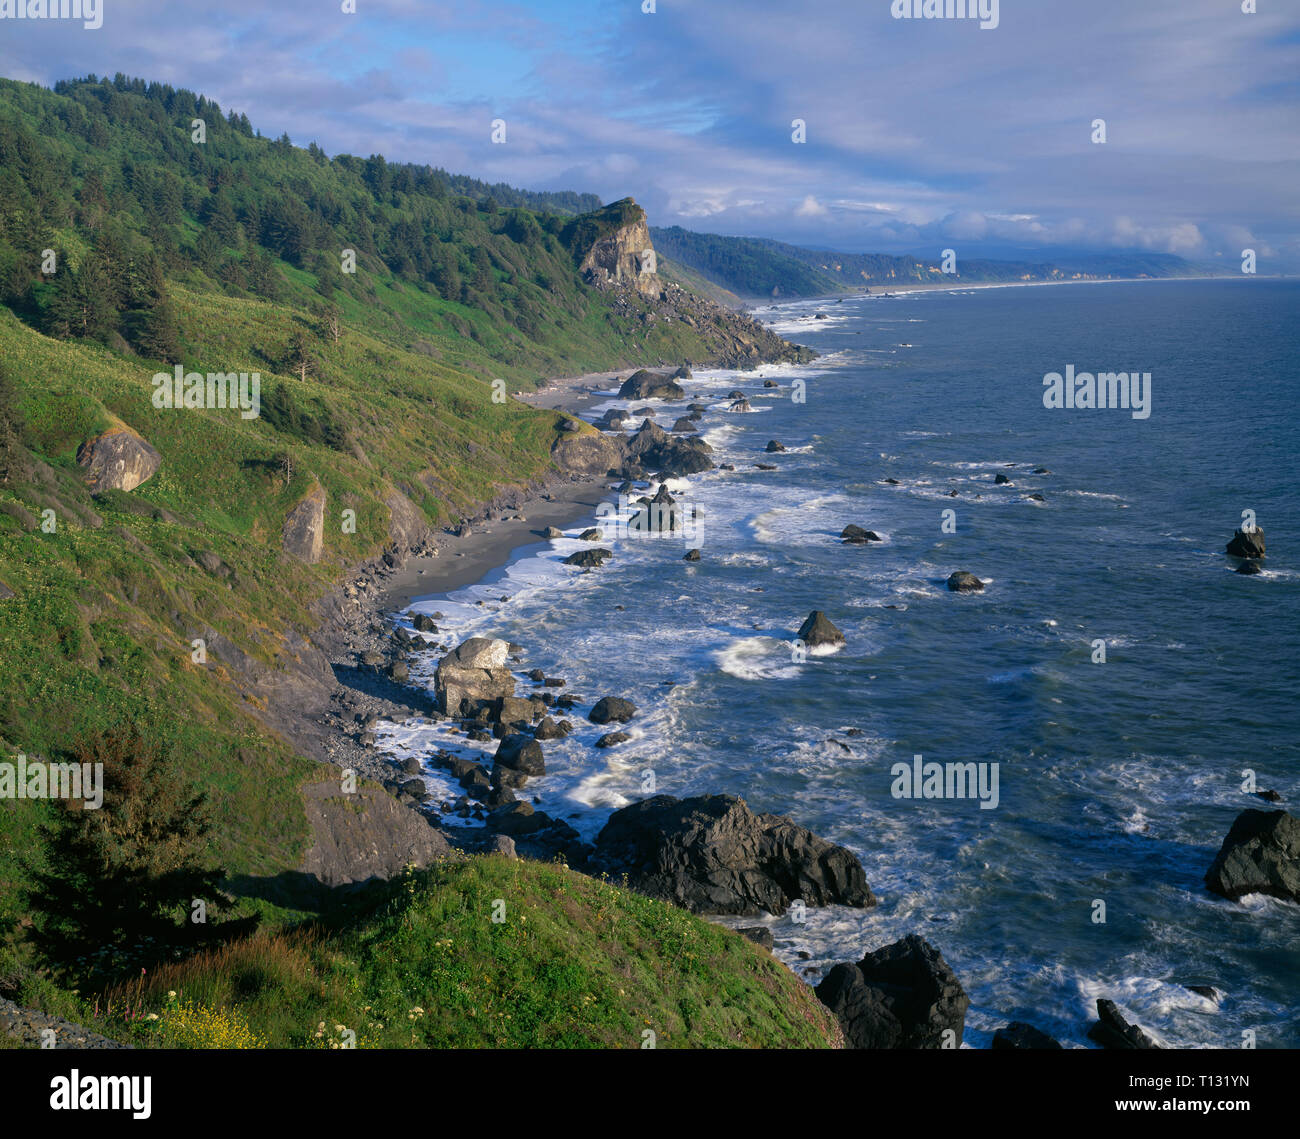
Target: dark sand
x,y
463,561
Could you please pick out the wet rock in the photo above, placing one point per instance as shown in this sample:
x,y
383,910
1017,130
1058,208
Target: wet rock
x,y
521,752
1023,1037
902,996
1113,1031
773,446
612,709
1260,855
963,582
1247,544
1249,568
759,935
858,536
818,631
589,559
691,556
613,739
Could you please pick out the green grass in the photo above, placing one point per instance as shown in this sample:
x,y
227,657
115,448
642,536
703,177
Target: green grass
x,y
576,963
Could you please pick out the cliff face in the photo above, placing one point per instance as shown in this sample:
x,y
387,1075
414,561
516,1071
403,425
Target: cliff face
x,y
624,257
617,257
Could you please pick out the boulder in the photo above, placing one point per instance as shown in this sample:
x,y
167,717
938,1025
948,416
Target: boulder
x,y
818,631
685,426
1001,480
963,582
1247,544
650,385
548,729
424,623
735,393
501,844
592,535
712,854
1260,855
741,404
613,739
902,996
119,459
472,675
303,534
1249,568
552,533
521,752
612,710
398,673
517,818
1113,1031
759,935
857,536
1023,1037
654,449
513,710
774,445
589,559
691,556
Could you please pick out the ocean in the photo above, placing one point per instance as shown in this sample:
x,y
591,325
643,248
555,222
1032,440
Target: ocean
x,y
1117,778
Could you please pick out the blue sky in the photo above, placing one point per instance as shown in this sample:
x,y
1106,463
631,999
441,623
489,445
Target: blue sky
x,y
921,134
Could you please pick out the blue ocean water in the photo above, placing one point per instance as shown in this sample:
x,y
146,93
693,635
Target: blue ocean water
x,y
1117,780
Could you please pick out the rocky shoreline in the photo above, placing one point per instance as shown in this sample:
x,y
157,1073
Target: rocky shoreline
x,y
710,854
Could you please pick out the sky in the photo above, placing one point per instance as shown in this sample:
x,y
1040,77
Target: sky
x,y
920,134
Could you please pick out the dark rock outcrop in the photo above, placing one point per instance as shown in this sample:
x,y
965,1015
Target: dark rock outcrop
x,y
650,385
902,996
1260,855
655,449
1113,1031
521,752
612,710
858,536
1023,1037
963,582
1247,544
817,631
589,559
712,854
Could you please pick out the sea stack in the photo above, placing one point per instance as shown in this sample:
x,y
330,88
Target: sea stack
x,y
818,632
1247,544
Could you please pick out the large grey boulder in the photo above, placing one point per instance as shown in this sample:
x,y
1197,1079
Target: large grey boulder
x,y
471,675
712,854
117,460
303,535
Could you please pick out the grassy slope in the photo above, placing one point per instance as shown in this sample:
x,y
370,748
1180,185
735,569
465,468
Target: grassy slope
x,y
576,963
106,605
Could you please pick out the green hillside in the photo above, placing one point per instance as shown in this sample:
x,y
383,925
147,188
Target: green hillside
x,y
126,246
